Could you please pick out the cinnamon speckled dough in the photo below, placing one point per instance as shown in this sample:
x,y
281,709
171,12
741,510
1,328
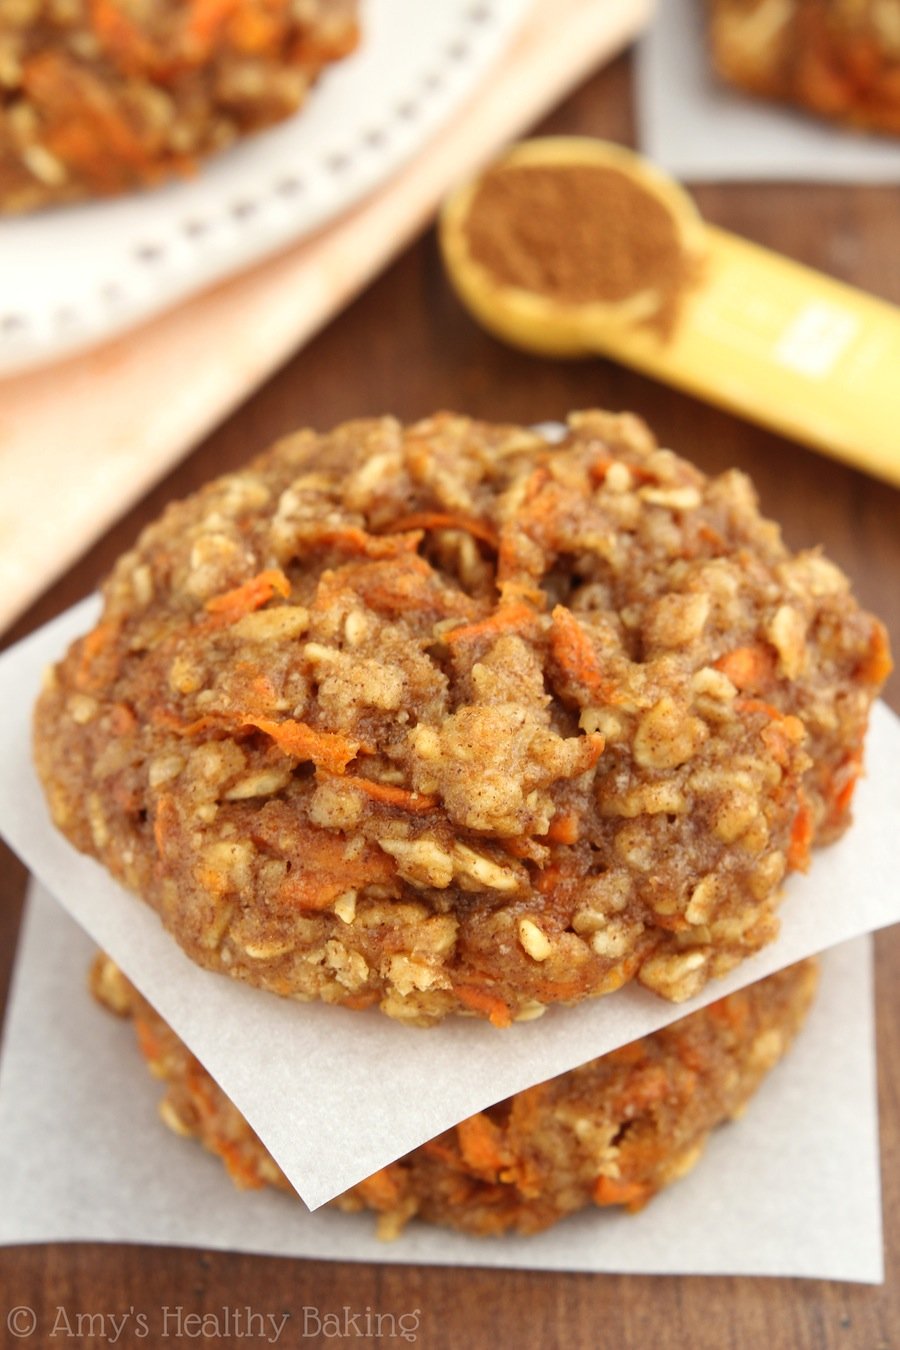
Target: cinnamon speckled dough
x,y
612,1132
448,719
99,97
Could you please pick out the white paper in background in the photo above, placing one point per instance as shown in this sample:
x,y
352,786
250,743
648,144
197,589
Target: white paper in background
x,y
84,1155
336,1094
698,129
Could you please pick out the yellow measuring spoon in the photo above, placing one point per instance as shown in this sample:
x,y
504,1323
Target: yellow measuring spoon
x,y
681,300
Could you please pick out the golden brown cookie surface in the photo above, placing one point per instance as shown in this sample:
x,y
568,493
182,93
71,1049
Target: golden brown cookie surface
x,y
444,718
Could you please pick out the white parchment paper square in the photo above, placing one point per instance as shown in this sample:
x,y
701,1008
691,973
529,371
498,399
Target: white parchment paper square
x,y
699,129
84,1155
334,1094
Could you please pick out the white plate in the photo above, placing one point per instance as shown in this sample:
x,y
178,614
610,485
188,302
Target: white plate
x,y
73,277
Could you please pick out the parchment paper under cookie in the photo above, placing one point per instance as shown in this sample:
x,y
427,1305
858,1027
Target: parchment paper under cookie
x,y
336,1094
790,1189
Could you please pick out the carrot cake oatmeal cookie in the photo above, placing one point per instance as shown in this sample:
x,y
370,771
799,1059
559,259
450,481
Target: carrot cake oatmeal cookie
x,y
99,97
837,58
446,718
612,1132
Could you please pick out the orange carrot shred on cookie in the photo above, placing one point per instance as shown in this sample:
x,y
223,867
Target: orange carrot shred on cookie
x,y
119,36
381,1190
359,543
389,795
843,784
147,1040
435,1148
509,617
206,18
96,653
481,1145
482,1001
801,836
749,668
166,819
445,520
326,749
877,663
614,1191
564,828
240,1169
574,652
253,594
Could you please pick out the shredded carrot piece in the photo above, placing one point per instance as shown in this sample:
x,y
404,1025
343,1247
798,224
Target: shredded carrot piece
x,y
521,847
96,654
240,1169
326,749
163,825
564,829
201,1091
122,719
537,479
395,585
673,923
631,1053
801,836
164,717
320,868
548,878
83,125
757,705
750,668
443,1152
445,520
147,1040
877,664
614,1191
359,543
843,784
254,31
505,618
557,991
575,653
732,1010
359,1002
382,1189
389,795
481,1145
119,36
600,467
650,1084
487,1004
711,537
206,19
253,594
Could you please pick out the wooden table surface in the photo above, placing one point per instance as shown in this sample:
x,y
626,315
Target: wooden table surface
x,y
405,347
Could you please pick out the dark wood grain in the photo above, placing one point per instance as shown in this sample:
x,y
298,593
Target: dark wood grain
x,y
406,347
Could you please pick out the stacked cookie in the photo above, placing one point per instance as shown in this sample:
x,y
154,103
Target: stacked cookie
x,y
449,720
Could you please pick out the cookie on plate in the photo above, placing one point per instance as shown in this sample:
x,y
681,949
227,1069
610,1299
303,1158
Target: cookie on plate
x,y
99,97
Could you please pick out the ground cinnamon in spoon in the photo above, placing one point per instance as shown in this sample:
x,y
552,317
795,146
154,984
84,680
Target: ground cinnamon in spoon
x,y
577,234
